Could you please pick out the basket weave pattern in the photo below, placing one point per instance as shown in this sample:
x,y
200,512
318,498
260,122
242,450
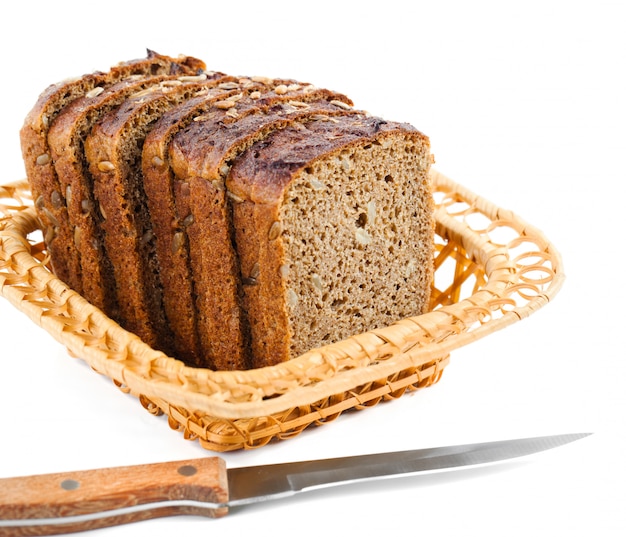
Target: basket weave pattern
x,y
492,269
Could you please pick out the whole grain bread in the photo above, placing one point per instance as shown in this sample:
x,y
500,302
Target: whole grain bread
x,y
232,222
48,196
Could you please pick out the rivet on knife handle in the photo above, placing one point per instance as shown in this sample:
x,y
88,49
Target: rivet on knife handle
x,y
76,501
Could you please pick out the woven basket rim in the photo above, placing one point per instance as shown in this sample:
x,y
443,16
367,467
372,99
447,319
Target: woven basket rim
x,y
410,343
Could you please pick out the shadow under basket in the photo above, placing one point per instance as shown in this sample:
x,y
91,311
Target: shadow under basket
x,y
492,269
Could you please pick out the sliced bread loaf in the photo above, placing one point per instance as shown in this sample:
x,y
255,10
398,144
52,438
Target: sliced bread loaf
x,y
232,222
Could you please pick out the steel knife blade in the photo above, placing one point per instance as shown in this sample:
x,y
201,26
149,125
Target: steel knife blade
x,y
77,501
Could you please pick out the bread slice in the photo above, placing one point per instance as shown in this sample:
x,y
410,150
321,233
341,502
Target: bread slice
x,y
113,151
200,156
49,198
171,220
335,223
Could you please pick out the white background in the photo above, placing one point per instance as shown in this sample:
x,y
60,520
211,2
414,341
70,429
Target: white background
x,y
524,104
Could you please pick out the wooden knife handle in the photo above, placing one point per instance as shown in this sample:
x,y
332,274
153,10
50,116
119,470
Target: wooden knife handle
x,y
77,501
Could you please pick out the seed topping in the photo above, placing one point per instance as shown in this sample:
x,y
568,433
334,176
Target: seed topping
x,y
316,184
106,166
225,105
157,161
317,282
171,83
232,112
255,272
56,199
78,235
86,206
228,85
292,298
50,234
190,78
94,92
371,211
147,237
263,80
300,104
144,92
177,241
224,169
246,82
51,218
341,104
275,230
234,197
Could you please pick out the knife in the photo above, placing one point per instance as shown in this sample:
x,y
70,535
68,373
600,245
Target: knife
x,y
77,501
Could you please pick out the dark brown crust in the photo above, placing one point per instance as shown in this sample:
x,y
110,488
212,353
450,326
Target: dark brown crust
x,y
40,171
207,145
260,177
263,180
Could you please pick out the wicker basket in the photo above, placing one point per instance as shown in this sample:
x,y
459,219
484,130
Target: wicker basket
x,y
492,269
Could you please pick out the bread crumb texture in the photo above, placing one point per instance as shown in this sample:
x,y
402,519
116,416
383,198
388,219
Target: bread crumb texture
x,y
357,236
